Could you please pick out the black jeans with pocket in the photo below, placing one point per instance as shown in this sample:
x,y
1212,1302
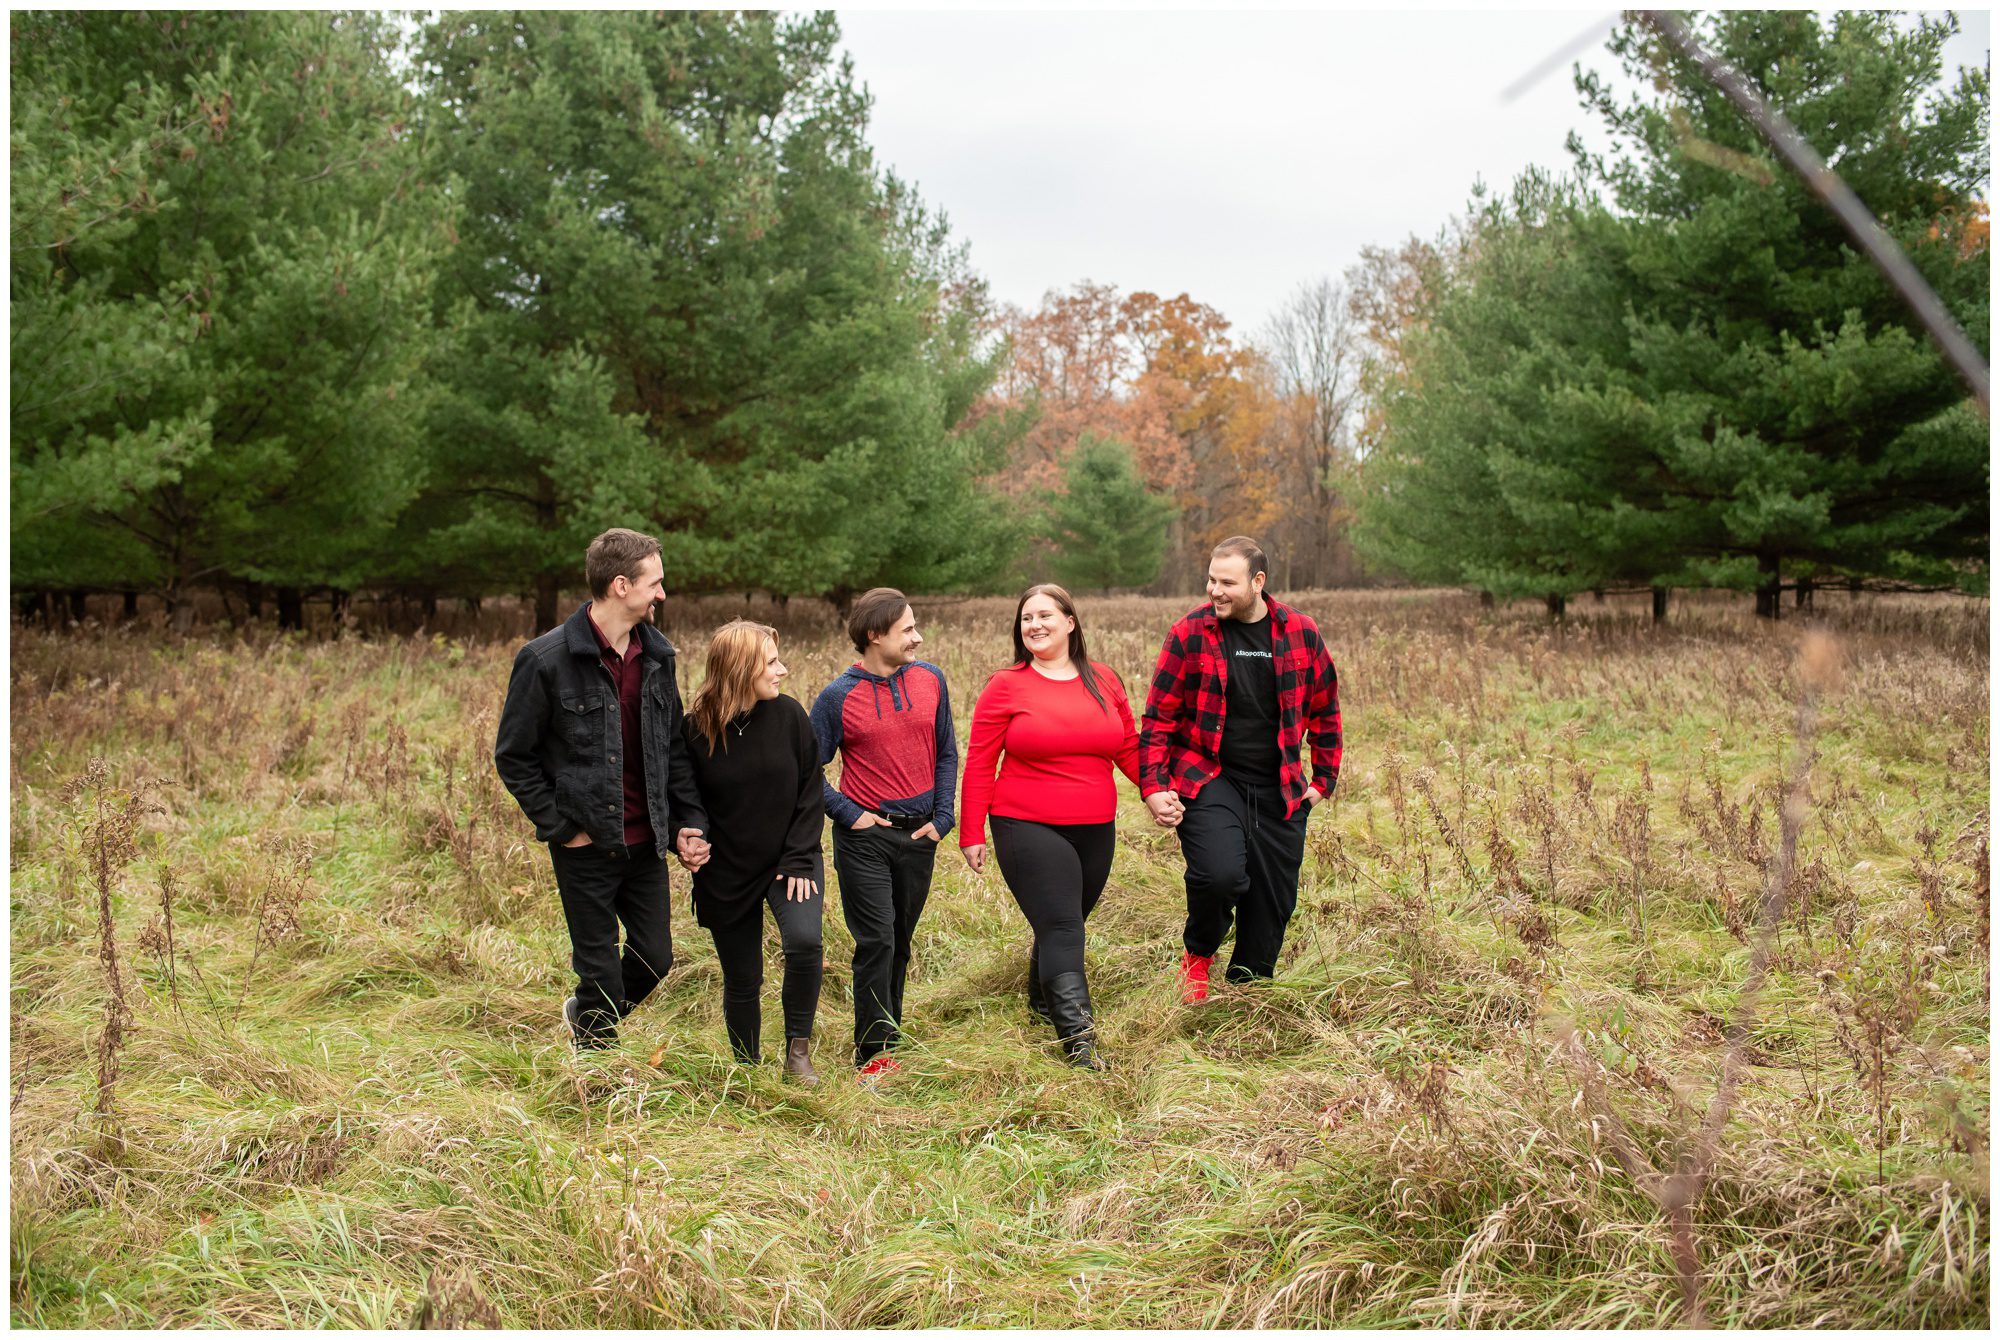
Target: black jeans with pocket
x,y
885,879
603,888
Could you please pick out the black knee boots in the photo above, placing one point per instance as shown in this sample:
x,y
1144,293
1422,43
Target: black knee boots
x,y
1069,1010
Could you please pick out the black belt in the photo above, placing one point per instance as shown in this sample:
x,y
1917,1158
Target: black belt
x,y
909,823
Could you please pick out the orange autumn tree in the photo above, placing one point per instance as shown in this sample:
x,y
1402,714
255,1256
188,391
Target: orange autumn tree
x,y
1077,364
1158,375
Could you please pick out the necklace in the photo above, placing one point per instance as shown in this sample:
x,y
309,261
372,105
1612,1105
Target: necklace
x,y
740,729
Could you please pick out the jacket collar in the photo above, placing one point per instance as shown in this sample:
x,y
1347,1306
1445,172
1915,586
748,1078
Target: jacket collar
x,y
582,641
1280,616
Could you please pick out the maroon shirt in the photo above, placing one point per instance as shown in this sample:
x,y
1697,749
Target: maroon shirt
x,y
626,674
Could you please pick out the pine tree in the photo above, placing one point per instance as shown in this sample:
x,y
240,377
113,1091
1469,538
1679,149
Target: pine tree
x,y
1705,384
1107,528
687,302
223,243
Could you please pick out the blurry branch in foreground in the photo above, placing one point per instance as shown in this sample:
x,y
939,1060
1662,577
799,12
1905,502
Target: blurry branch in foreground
x,y
1828,185
1676,1192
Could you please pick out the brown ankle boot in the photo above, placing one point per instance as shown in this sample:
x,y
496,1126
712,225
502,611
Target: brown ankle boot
x,y
798,1063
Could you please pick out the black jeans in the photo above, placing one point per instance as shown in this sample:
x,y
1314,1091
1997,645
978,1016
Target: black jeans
x,y
885,879
1243,859
602,887
1056,872
739,946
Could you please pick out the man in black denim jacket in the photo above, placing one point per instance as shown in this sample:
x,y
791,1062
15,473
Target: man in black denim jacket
x,y
590,745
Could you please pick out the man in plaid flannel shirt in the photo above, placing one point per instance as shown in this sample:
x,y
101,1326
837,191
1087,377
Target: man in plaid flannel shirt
x,y
1240,684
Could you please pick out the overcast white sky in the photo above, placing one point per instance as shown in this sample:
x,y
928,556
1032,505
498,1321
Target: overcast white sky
x,y
1228,155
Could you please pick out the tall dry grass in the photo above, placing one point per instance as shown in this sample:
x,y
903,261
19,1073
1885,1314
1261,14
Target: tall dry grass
x,y
1525,931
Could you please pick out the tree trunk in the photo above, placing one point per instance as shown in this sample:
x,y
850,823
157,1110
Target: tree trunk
x,y
79,606
253,598
291,608
1597,594
1558,606
1802,596
35,608
342,601
131,605
546,582
430,607
1767,586
1660,604
1486,600
546,592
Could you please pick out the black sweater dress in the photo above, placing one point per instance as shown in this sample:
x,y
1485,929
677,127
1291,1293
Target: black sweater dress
x,y
764,808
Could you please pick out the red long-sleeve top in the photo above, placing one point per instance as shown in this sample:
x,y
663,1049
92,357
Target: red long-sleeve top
x,y
1053,748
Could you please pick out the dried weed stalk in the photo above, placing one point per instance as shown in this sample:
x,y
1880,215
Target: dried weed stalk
x,y
107,820
1876,997
157,938
1426,785
278,905
452,1302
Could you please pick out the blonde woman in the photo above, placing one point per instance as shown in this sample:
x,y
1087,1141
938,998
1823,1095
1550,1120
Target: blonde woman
x,y
756,763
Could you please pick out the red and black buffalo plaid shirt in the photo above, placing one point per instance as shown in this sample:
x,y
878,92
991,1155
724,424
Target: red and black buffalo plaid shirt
x,y
1180,734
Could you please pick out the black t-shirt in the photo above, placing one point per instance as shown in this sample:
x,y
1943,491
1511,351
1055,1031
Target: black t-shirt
x,y
1250,722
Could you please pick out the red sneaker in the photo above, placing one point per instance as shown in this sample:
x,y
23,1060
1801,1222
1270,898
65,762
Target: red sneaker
x,y
1194,977
878,1065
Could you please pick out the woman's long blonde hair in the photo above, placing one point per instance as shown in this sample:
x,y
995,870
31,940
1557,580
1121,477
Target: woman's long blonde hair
x,y
735,659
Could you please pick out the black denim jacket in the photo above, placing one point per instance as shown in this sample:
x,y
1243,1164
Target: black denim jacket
x,y
559,739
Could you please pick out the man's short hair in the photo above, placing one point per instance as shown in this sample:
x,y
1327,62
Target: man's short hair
x,y
1247,549
616,553
875,612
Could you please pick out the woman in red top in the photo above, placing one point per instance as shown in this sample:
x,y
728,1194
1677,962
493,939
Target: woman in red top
x,y
1054,723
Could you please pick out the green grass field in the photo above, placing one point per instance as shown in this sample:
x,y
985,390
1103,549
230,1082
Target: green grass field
x,y
343,1095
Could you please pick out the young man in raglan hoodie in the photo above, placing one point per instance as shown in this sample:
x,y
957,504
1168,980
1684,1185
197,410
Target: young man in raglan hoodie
x,y
888,716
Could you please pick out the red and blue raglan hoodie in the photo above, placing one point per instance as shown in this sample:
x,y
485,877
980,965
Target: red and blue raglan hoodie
x,y
893,734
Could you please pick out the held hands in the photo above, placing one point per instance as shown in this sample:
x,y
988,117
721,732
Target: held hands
x,y
691,848
975,857
1167,808
798,888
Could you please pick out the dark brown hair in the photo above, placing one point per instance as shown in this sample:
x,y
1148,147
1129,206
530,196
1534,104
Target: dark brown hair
x,y
1079,655
875,612
1242,546
616,553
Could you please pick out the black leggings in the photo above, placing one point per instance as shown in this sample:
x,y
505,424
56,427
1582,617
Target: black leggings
x,y
1056,873
740,948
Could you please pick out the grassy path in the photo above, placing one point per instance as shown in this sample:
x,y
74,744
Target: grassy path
x,y
344,1097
